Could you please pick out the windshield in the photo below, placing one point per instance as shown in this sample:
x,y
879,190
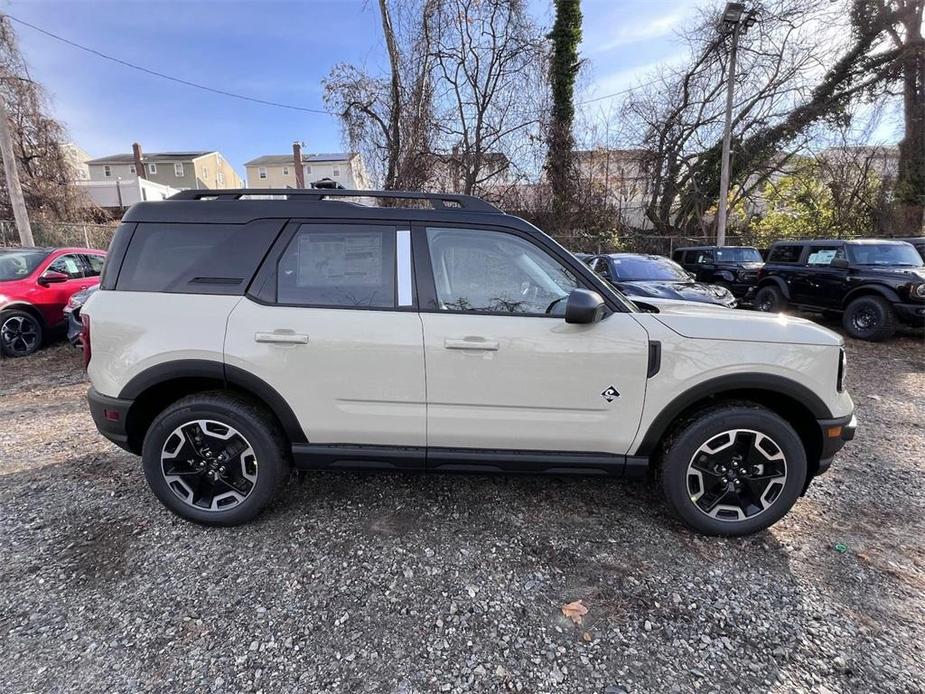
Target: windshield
x,y
732,254
15,265
884,254
642,268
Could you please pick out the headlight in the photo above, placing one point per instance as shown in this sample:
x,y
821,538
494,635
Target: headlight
x,y
917,290
842,370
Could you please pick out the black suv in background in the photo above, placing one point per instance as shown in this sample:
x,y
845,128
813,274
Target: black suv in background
x,y
873,284
733,267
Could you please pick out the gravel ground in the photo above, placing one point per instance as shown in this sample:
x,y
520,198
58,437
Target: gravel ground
x,y
404,583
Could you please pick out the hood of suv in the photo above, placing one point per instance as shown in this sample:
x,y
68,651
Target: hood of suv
x,y
710,322
684,291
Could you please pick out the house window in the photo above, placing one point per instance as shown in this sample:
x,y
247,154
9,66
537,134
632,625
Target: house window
x,y
131,169
262,173
337,171
107,171
152,168
307,169
178,169
285,171
221,178
205,171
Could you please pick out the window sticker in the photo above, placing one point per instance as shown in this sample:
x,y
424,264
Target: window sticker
x,y
334,260
823,257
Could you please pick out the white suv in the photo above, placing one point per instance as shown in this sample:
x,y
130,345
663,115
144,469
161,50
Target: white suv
x,y
238,334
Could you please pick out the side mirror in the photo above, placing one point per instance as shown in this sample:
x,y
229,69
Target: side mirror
x,y
52,277
840,263
584,306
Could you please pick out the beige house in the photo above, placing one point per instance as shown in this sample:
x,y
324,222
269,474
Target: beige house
x,y
278,170
180,170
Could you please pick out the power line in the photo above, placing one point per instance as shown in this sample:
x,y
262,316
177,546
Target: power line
x,y
243,97
155,73
620,93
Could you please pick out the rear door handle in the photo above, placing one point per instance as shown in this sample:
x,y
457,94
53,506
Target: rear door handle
x,y
473,343
286,337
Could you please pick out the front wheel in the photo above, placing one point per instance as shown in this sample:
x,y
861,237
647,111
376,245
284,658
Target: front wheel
x,y
869,318
733,469
215,458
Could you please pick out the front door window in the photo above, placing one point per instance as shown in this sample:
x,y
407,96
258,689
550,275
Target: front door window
x,y
495,272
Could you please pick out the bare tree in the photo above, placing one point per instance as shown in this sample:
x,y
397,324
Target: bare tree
x,y
488,62
800,67
389,119
37,137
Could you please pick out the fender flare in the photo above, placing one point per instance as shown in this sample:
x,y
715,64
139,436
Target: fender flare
x,y
766,383
867,289
776,281
31,309
229,376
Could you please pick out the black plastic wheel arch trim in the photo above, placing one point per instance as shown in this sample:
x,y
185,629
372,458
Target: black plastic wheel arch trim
x,y
229,375
766,383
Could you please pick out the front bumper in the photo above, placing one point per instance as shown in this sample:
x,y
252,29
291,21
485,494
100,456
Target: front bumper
x,y
913,314
835,433
111,417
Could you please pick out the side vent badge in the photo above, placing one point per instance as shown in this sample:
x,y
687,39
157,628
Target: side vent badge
x,y
610,394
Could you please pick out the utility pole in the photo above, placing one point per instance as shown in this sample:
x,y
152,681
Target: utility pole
x,y
17,201
740,20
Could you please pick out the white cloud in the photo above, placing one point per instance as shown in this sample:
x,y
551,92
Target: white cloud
x,y
652,28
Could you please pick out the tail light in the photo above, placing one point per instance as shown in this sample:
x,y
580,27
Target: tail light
x,y
85,337
760,273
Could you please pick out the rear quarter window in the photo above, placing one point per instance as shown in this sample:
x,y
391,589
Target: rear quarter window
x,y
195,258
786,253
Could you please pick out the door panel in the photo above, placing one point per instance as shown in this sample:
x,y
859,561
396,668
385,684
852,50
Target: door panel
x,y
530,383
504,369
335,333
350,376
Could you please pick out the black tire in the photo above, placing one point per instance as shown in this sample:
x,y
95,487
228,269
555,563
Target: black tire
x,y
21,333
685,443
869,318
256,427
769,299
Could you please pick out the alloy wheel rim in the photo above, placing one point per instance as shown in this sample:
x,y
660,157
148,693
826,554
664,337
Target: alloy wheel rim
x,y
209,465
736,475
19,335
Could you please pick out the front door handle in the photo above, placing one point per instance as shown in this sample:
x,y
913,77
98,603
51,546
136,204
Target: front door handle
x,y
473,343
286,337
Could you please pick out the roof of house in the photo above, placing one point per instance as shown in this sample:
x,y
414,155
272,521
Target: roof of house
x,y
283,159
150,156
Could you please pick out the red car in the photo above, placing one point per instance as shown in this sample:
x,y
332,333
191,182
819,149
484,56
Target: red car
x,y
35,285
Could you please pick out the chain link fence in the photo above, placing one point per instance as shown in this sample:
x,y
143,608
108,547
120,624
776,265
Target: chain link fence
x,y
61,234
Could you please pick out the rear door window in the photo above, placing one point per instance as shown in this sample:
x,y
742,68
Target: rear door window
x,y
94,264
822,256
339,266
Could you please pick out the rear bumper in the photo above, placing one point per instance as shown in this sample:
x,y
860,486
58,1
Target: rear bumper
x,y
914,314
110,416
835,433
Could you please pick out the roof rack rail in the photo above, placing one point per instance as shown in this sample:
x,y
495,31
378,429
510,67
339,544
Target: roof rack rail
x,y
438,201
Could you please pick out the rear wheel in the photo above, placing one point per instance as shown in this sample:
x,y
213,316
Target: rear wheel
x,y
215,458
869,318
20,333
733,469
770,299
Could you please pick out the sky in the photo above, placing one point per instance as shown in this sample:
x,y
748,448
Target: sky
x,y
276,51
